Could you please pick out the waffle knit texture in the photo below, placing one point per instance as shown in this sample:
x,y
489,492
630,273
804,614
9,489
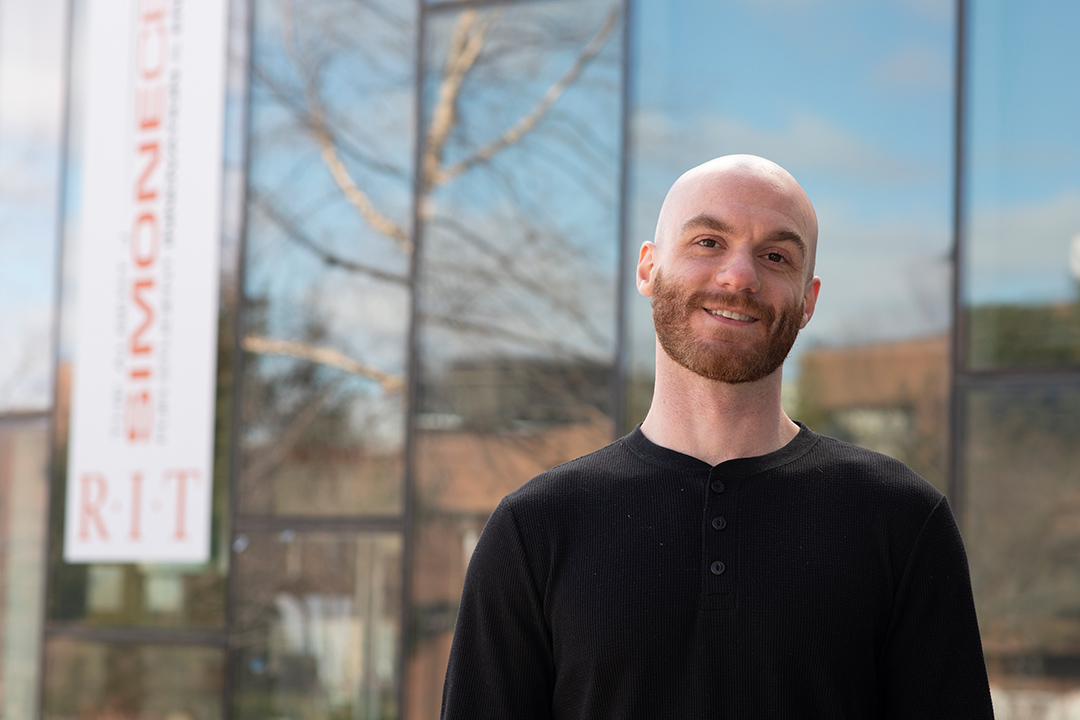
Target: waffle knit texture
x,y
819,581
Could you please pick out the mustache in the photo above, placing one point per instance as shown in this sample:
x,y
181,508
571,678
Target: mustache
x,y
745,304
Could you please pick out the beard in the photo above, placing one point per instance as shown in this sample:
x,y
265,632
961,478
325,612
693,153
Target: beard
x,y
714,357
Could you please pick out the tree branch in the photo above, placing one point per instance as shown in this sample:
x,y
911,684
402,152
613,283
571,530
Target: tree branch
x,y
527,123
293,231
509,270
323,356
465,46
270,458
463,325
323,138
357,197
346,146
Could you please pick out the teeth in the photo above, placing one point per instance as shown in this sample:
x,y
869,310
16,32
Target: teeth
x,y
732,315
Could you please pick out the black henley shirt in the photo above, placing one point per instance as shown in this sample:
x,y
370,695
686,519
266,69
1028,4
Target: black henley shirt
x,y
819,581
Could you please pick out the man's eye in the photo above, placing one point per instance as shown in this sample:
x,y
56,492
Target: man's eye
x,y
775,257
707,242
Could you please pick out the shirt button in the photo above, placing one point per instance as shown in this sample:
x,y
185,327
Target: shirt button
x,y
719,523
717,486
717,568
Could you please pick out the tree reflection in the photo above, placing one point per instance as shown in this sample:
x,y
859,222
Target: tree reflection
x,y
513,188
1024,336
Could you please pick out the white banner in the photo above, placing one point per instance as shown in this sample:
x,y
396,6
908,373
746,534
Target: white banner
x,y
140,465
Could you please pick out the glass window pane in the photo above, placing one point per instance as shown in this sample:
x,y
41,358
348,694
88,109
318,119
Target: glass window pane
x,y
326,300
317,625
1021,521
113,680
856,100
24,453
150,595
32,40
518,280
1022,175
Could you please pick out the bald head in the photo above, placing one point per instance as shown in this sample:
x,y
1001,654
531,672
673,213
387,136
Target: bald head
x,y
745,180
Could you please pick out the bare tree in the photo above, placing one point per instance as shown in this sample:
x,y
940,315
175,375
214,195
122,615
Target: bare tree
x,y
483,49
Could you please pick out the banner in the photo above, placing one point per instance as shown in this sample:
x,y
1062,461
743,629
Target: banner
x,y
140,463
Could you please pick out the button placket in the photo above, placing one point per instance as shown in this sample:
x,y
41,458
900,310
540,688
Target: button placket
x,y
719,543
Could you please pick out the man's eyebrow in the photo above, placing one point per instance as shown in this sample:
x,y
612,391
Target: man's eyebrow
x,y
715,224
707,222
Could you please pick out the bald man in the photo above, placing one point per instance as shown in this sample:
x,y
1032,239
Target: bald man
x,y
721,561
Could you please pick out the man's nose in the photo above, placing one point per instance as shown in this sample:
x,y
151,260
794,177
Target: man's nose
x,y
738,273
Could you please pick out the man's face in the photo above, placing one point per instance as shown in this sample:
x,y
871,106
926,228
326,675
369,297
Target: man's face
x,y
731,272
711,357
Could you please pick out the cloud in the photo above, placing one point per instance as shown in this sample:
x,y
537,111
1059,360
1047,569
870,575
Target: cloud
x,y
1021,252
915,68
804,141
26,357
888,279
32,38
788,6
938,11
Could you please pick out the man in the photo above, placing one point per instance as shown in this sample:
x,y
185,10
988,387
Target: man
x,y
721,561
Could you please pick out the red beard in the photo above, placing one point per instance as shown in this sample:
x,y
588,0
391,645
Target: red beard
x,y
713,358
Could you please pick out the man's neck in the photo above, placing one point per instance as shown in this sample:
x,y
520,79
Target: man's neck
x,y
715,421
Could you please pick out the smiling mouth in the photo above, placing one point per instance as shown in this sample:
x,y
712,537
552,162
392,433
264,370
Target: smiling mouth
x,y
731,315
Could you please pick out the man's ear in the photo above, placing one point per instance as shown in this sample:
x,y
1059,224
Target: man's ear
x,y
810,300
646,268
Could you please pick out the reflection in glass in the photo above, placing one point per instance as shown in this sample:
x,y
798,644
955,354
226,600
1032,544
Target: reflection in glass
x,y
892,397
32,73
1022,530
119,681
148,595
517,289
23,495
326,301
316,625
1022,176
855,100
142,594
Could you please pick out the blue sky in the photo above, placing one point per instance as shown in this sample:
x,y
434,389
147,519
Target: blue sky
x,y
1023,150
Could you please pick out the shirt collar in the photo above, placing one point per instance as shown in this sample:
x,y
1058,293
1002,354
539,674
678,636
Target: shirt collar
x,y
796,448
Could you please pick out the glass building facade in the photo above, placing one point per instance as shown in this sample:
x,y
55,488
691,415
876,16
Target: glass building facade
x,y
432,210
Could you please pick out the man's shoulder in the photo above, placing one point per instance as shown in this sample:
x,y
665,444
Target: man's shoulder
x,y
567,498
590,471
852,468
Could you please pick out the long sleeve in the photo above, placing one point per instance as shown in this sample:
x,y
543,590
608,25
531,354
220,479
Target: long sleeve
x,y
501,659
932,665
